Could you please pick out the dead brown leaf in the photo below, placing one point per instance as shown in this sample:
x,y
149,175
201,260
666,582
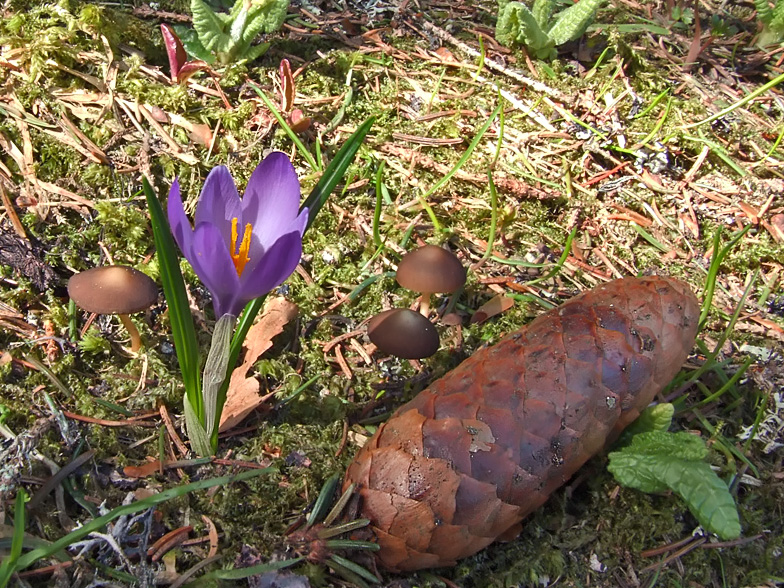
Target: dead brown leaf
x,y
142,471
776,227
243,395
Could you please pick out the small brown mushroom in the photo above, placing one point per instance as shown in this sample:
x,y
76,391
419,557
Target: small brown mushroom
x,y
114,289
403,333
428,270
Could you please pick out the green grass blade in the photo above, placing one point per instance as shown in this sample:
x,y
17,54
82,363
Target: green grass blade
x,y
284,125
97,524
352,544
713,271
652,105
328,532
659,124
742,102
710,358
729,384
493,215
9,563
561,261
323,501
650,238
240,573
355,568
468,152
377,212
183,331
336,170
719,152
339,505
491,184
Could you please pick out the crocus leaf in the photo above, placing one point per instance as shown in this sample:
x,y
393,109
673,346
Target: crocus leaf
x,y
657,461
183,331
285,126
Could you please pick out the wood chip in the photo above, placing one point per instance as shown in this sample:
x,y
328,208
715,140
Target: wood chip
x,y
496,305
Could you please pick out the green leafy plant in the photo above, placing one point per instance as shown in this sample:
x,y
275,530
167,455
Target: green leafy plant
x,y
537,30
772,20
227,38
657,461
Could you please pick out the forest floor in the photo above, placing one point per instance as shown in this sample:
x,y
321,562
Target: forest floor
x,y
633,152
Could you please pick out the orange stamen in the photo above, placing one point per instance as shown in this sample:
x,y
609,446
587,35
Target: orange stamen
x,y
241,257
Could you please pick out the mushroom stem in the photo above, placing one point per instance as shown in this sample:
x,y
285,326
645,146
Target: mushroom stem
x,y
136,340
424,304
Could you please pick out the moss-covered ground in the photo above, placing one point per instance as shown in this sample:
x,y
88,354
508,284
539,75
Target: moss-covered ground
x,y
608,144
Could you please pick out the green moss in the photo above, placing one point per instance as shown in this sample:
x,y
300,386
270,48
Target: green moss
x,y
93,343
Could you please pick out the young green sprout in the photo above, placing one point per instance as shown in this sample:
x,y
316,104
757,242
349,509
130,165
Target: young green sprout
x,y
403,333
114,289
430,270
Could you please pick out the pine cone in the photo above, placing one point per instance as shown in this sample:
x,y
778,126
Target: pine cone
x,y
467,459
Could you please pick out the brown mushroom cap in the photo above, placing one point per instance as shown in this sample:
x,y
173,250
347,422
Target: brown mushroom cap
x,y
112,289
403,333
431,269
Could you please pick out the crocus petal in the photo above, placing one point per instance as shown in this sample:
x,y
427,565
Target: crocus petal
x,y
258,254
219,202
178,221
277,264
272,198
212,263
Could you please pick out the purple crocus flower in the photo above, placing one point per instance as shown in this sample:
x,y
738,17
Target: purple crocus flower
x,y
242,248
